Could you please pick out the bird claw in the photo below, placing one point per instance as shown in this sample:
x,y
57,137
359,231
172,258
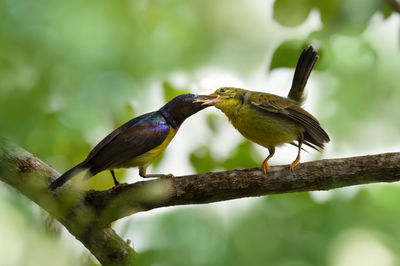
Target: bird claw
x,y
119,185
265,168
167,176
294,164
158,176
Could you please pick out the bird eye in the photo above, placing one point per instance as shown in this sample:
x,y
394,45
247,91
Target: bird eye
x,y
222,90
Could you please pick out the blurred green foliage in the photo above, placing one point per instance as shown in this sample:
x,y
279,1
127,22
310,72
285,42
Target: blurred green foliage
x,y
282,230
338,16
70,72
242,156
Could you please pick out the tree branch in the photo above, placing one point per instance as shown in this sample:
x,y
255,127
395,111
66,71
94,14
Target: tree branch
x,y
87,214
31,177
219,186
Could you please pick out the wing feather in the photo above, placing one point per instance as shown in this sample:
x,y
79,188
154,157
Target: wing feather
x,y
314,134
130,140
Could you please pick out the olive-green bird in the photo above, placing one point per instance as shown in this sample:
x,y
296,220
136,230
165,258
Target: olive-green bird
x,y
270,120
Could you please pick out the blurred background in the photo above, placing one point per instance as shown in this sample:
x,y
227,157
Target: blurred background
x,y
72,71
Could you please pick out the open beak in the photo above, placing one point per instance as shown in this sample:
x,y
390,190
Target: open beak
x,y
210,99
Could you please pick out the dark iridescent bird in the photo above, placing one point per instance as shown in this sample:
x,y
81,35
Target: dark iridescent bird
x,y
270,120
137,142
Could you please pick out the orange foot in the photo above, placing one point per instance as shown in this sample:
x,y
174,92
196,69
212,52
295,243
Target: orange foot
x,y
119,185
294,164
265,167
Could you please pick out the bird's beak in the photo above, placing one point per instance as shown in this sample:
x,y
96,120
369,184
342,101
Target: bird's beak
x,y
210,99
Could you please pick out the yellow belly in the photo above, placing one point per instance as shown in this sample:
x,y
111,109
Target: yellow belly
x,y
265,128
147,158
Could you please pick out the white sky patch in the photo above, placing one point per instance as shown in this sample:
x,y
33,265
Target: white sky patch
x,y
347,193
360,247
383,35
210,78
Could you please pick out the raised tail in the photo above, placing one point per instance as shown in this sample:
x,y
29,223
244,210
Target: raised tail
x,y
304,66
67,176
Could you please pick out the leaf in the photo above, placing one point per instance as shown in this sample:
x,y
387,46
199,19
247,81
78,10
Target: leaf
x,y
287,54
171,92
338,16
291,13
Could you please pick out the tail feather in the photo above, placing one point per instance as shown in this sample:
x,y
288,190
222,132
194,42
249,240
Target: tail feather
x,y
67,175
304,66
315,143
306,142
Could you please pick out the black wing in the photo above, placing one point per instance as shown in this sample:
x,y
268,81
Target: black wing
x,y
132,139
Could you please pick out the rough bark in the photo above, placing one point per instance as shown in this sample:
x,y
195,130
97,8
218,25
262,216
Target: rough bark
x,y
225,185
31,177
87,214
